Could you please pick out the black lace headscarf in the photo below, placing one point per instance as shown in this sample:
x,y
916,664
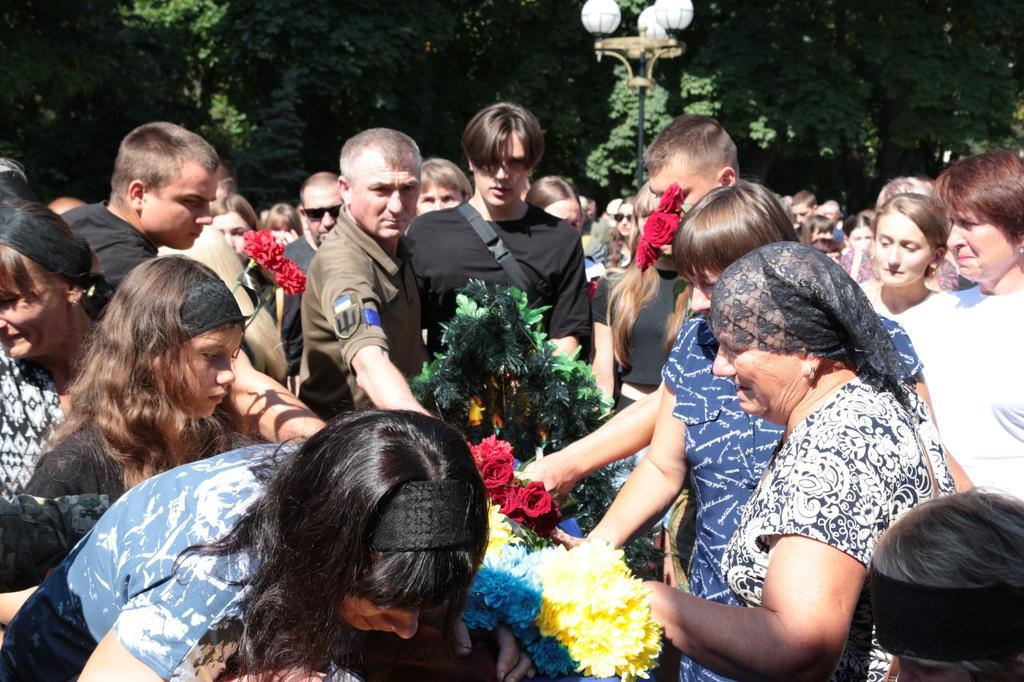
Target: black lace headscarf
x,y
789,298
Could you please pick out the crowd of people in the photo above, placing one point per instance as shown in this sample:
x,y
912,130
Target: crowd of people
x,y
814,398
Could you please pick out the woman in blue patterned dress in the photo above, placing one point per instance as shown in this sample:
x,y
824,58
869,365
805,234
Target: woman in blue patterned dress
x,y
264,560
804,350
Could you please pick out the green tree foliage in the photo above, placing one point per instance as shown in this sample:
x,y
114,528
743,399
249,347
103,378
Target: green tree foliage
x,y
841,95
831,94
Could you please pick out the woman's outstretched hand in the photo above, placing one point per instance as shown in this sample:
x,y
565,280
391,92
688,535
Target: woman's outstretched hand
x,y
556,471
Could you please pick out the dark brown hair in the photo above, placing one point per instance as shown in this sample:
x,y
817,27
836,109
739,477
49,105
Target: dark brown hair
x,y
700,139
486,135
727,223
154,154
989,187
308,537
133,387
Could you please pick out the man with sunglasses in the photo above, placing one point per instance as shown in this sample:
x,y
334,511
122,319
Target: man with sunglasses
x,y
319,206
320,203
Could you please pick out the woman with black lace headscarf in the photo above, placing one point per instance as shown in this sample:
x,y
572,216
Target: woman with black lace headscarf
x,y
805,350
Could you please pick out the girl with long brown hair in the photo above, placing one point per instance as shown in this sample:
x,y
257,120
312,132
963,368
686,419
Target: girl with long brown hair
x,y
637,314
153,376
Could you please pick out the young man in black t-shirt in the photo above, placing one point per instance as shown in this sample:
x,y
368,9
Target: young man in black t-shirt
x,y
503,144
164,180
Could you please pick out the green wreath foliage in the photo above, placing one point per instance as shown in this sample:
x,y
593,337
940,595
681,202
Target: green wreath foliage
x,y
500,375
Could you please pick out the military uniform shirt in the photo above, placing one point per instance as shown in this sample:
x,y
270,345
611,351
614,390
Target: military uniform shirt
x,y
357,295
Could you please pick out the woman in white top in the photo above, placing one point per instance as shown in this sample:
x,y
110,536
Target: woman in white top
x,y
909,245
971,350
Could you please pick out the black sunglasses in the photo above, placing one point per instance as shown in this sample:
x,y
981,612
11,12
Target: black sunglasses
x,y
318,213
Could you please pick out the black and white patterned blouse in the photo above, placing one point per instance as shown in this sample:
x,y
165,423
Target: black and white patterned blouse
x,y
31,409
844,475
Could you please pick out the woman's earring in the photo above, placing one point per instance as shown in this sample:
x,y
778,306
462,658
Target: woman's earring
x,y
1020,250
810,377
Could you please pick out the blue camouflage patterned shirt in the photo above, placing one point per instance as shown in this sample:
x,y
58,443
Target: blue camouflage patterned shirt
x,y
122,576
727,451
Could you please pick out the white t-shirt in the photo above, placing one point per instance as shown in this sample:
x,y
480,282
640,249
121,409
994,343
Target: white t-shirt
x,y
971,346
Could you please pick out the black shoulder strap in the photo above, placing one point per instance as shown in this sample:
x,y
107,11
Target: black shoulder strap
x,y
500,252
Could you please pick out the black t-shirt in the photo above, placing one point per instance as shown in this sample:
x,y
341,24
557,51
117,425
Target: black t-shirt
x,y
118,245
647,351
77,465
447,252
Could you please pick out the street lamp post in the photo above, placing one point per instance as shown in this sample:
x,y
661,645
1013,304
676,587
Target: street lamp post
x,y
658,25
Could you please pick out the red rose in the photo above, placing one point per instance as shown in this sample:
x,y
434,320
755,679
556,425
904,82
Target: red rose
x,y
660,228
512,504
261,246
540,509
290,277
646,255
497,471
502,496
671,200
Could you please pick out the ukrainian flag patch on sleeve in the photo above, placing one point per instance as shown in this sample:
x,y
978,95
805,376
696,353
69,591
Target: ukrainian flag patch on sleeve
x,y
348,314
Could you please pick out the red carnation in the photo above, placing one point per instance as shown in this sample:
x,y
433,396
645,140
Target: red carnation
x,y
261,246
491,447
540,509
497,472
290,277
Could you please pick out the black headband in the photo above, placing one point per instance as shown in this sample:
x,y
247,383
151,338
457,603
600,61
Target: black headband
x,y
41,241
947,624
208,304
424,515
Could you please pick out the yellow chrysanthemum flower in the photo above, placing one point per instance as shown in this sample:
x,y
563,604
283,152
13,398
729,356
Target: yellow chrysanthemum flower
x,y
599,611
500,532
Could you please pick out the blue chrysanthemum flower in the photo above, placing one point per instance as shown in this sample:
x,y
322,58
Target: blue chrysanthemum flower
x,y
551,658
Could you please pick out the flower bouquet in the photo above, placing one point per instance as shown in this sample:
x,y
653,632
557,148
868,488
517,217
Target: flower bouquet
x,y
265,252
267,255
574,611
527,504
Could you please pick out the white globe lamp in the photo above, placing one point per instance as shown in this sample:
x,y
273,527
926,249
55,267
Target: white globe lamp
x,y
673,15
601,17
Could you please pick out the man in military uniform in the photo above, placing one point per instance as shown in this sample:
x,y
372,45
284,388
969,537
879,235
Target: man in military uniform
x,y
361,309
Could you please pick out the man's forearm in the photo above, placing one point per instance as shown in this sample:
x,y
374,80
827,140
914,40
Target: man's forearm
x,y
383,383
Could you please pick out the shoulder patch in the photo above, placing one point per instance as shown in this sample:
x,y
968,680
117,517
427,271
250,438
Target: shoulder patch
x,y
348,314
